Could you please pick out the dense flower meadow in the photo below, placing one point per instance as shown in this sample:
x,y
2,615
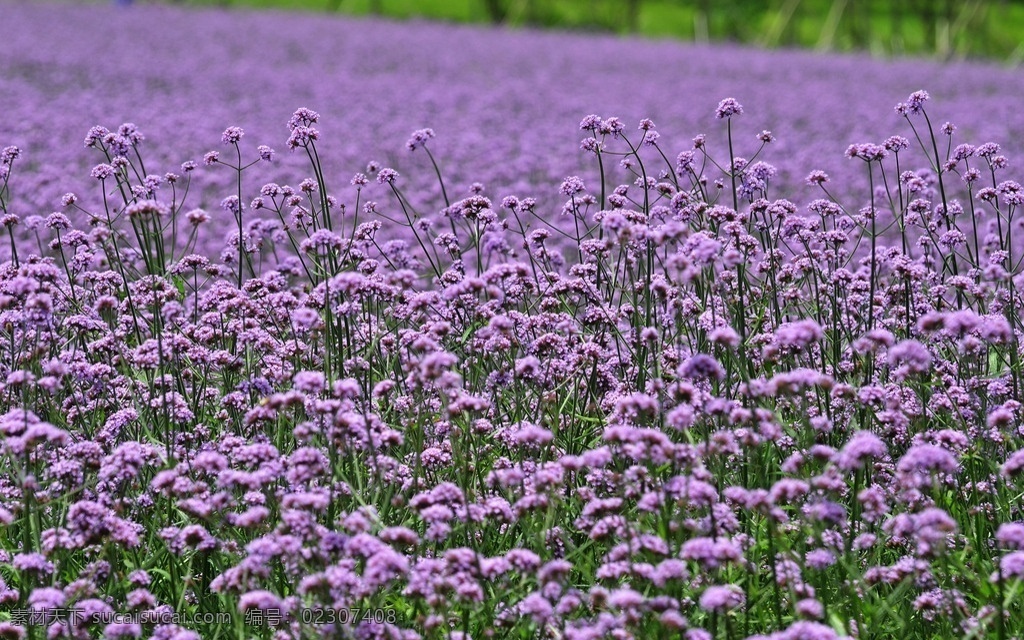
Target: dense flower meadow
x,y
678,393
708,414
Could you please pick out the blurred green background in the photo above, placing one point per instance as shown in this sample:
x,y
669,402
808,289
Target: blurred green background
x,y
941,28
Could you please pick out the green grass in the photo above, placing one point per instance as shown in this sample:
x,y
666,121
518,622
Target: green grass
x,y
943,28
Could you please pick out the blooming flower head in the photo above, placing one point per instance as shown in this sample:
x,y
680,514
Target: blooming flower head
x,y
927,458
863,445
419,139
232,135
799,335
915,103
1014,465
147,209
911,355
728,108
867,152
387,176
9,154
303,117
719,599
817,178
702,366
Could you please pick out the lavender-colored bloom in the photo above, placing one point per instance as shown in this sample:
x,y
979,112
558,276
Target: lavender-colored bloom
x,y
385,566
915,103
103,172
711,553
1012,565
626,598
532,435
33,563
702,366
1014,465
810,608
44,598
896,143
927,458
799,335
910,354
728,108
419,138
1011,535
820,559
571,186
725,336
867,152
232,135
309,381
722,599
805,630
862,446
817,178
303,117
261,600
554,570
536,607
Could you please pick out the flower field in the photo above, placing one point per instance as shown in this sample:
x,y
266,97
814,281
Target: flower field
x,y
320,328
